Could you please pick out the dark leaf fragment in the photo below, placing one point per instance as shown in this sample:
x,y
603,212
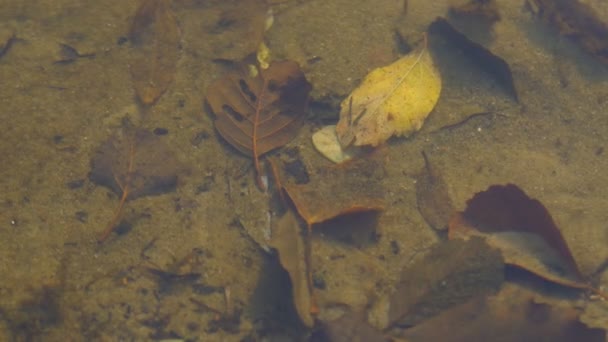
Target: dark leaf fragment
x,y
484,58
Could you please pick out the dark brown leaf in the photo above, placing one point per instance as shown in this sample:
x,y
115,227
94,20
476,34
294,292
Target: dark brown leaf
x,y
488,61
257,114
134,163
434,202
507,208
523,230
155,37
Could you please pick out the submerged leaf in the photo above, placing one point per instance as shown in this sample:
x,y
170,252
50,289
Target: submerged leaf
x,y
483,57
349,188
351,327
522,229
133,163
450,274
508,316
287,239
256,114
236,29
392,100
155,37
578,21
434,202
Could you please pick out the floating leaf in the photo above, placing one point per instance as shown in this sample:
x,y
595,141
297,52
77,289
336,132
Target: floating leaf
x,y
257,114
508,316
393,100
155,37
133,163
522,229
450,274
287,239
434,202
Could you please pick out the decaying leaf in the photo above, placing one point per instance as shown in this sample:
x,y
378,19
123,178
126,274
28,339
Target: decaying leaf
x,y
484,10
434,202
155,37
349,188
237,28
522,229
506,317
578,21
351,327
256,114
133,163
287,239
483,57
392,100
450,274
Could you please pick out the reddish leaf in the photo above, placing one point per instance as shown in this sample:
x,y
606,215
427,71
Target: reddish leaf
x,y
258,114
507,208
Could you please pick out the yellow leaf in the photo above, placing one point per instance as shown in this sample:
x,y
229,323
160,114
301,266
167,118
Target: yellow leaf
x,y
392,100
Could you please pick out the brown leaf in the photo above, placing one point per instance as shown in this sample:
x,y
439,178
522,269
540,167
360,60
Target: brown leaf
x,y
522,228
155,37
450,274
133,163
258,114
287,239
434,202
505,317
348,188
